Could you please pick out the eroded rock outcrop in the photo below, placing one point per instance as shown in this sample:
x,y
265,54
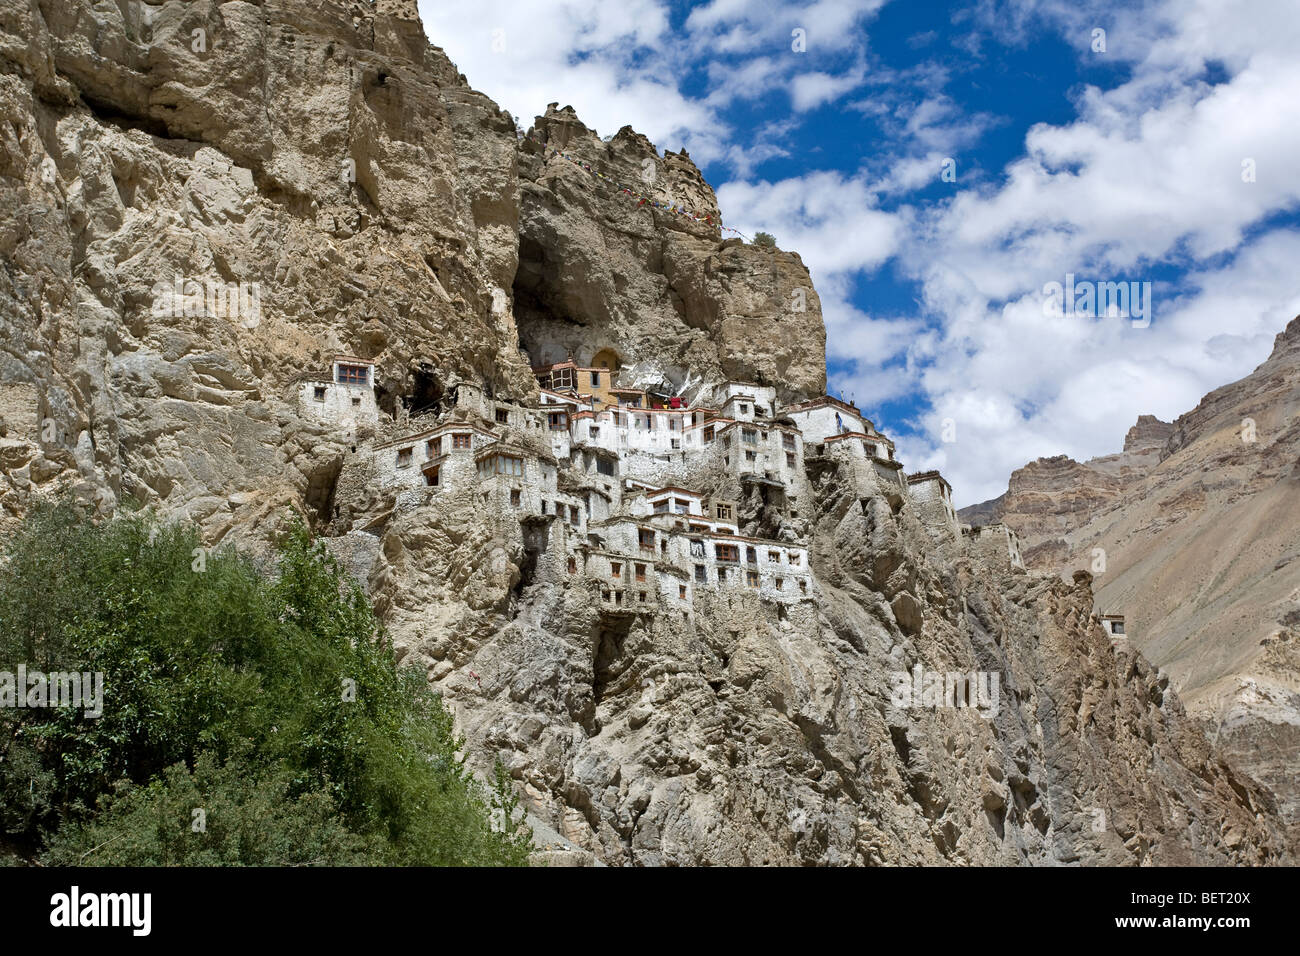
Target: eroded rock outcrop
x,y
601,270
1201,548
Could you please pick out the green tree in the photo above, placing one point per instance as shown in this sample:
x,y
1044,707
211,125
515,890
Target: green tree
x,y
224,683
764,240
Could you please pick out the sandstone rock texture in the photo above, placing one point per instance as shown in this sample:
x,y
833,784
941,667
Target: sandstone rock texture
x,y
599,270
154,156
322,155
1199,522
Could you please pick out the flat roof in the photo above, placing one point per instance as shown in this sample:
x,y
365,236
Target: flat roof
x,y
926,476
819,402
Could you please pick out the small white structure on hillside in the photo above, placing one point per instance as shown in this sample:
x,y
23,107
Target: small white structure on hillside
x,y
996,544
345,395
932,499
430,458
745,401
1113,624
824,417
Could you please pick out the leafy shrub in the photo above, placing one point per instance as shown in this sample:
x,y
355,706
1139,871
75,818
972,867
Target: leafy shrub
x,y
227,686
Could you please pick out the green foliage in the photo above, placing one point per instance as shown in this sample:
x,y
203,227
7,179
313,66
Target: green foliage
x,y
216,815
228,687
764,240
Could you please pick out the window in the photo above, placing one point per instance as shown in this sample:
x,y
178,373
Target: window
x,y
676,443
514,497
356,402
663,545
751,456
640,572
615,569
604,466
749,436
788,441
1117,627
353,375
681,592
319,393
460,440
573,514
789,459
595,379
803,587
708,433
794,559
543,506
594,432
646,539
751,578
751,556
681,507
697,548
871,449
404,457
641,596
559,421
700,574
744,409
722,511
433,448
780,583
501,465
722,575
661,507
573,565
773,556
503,416
727,552
431,477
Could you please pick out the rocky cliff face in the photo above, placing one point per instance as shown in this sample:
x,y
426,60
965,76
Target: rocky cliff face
x,y
601,271
1200,533
156,155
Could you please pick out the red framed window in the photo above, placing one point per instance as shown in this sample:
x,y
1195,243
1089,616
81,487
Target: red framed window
x,y
354,375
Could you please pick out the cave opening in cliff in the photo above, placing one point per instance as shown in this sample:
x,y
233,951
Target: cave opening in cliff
x,y
547,334
321,486
537,539
608,661
426,391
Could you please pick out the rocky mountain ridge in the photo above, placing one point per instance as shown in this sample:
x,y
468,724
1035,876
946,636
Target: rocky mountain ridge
x,y
1199,533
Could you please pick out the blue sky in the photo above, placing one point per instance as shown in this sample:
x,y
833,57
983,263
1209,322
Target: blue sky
x,y
1164,151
